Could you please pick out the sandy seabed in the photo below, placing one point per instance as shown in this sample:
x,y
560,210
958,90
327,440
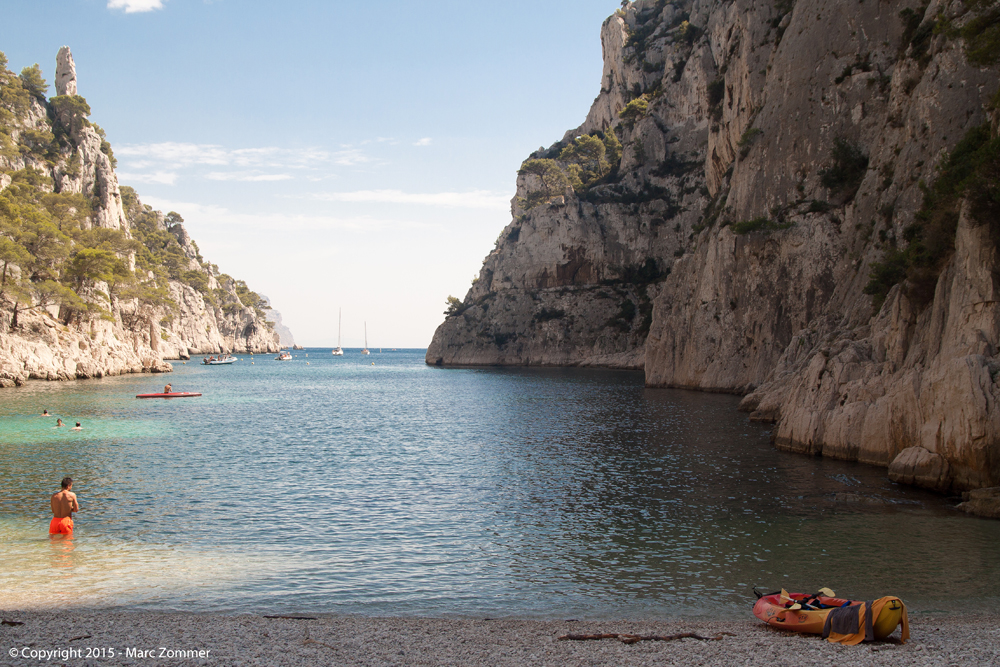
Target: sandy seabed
x,y
145,638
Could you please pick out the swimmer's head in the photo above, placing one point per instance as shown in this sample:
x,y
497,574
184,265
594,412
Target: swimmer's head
x,y
78,423
67,482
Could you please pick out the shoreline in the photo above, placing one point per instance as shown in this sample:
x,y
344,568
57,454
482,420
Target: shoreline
x,y
182,638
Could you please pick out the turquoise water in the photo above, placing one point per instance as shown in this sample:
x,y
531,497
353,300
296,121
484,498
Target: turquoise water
x,y
330,484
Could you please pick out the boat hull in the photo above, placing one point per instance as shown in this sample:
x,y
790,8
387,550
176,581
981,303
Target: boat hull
x,y
173,394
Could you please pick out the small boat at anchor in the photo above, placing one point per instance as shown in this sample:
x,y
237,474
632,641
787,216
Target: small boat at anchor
x,y
338,351
284,356
221,360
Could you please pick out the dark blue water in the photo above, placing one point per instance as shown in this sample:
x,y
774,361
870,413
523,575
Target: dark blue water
x,y
330,484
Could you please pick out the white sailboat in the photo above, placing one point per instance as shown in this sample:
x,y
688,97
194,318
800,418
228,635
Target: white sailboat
x,y
365,351
338,351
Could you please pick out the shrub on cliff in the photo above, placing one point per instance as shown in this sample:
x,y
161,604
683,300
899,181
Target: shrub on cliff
x,y
551,178
971,172
586,159
455,306
251,299
31,79
70,113
761,224
634,110
982,34
844,176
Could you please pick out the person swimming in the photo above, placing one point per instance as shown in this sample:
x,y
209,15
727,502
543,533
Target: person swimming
x,y
77,427
59,423
64,503
45,413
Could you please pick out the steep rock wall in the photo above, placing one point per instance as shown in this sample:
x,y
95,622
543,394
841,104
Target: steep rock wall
x,y
768,256
135,337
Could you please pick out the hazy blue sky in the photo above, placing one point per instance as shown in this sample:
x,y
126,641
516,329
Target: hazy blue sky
x,y
332,154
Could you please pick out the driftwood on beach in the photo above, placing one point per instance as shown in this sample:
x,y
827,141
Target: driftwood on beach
x,y
627,638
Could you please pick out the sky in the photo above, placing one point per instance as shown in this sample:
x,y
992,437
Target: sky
x,y
334,155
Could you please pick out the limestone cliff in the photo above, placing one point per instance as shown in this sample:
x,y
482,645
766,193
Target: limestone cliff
x,y
777,163
126,310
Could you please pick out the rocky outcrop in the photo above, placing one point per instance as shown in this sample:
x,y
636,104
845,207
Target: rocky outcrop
x,y
45,349
772,154
912,381
65,72
202,314
919,467
982,502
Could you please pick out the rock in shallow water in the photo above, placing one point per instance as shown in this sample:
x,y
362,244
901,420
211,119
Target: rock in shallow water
x,y
983,502
919,467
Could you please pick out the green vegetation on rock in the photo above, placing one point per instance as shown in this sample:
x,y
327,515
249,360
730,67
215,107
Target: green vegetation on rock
x,y
51,254
761,224
585,162
844,176
971,173
982,34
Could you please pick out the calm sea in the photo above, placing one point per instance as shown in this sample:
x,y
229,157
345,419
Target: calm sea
x,y
380,486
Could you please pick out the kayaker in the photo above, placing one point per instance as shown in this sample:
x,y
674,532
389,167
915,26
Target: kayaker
x,y
64,503
167,389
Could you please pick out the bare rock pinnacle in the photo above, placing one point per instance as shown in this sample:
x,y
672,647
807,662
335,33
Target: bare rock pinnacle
x,y
65,72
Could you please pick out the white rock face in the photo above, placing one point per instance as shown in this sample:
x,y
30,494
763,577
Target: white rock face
x,y
65,72
140,337
43,348
754,96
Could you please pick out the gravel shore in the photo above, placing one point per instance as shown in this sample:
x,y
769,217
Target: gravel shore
x,y
144,638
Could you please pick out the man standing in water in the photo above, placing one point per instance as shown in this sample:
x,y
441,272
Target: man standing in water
x,y
63,505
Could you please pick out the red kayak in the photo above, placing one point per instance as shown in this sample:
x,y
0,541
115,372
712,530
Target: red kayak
x,y
173,394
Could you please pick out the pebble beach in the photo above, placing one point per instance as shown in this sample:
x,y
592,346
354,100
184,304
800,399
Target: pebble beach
x,y
93,638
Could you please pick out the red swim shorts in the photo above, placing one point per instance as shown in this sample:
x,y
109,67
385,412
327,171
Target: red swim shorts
x,y
63,525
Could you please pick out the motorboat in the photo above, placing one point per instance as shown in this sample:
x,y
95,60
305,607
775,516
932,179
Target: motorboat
x,y
221,360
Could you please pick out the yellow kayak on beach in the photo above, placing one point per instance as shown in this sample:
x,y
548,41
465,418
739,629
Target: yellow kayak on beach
x,y
839,620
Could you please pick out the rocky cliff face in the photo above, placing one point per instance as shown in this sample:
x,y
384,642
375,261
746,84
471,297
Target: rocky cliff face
x,y
136,335
773,154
